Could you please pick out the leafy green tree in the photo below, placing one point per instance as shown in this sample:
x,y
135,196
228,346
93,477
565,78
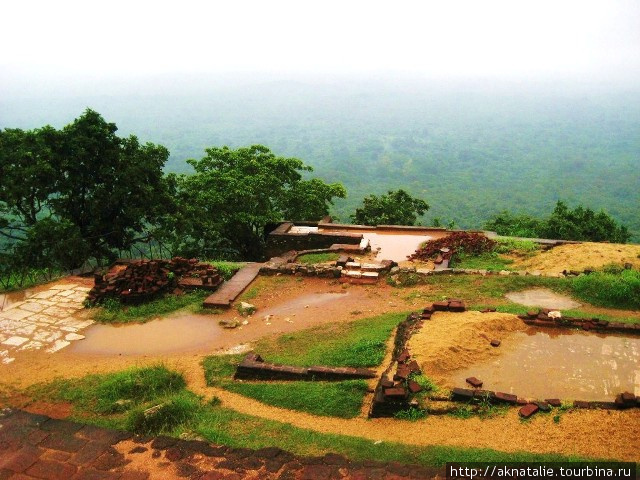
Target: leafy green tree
x,y
77,193
393,208
510,225
310,199
564,224
583,224
233,194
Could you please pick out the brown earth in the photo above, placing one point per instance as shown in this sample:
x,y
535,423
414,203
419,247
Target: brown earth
x,y
451,341
580,256
588,433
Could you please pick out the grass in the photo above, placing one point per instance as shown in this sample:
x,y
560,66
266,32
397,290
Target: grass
x,y
112,311
518,247
477,289
615,290
360,343
485,261
31,277
313,258
331,399
183,413
226,269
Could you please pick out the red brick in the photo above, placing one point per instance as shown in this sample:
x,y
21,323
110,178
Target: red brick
x,y
398,392
474,382
528,410
554,402
50,470
20,460
414,387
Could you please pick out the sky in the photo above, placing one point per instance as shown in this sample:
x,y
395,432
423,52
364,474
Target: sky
x,y
432,39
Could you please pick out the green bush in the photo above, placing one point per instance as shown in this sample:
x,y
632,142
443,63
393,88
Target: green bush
x,y
603,289
136,385
167,415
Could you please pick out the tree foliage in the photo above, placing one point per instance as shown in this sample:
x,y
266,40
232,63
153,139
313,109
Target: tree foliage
x,y
233,194
393,208
564,223
78,193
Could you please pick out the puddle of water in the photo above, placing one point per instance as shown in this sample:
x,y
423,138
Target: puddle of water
x,y
10,298
540,297
158,336
395,246
571,366
312,300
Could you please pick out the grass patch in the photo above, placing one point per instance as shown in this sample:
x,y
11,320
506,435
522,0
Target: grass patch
x,y
360,343
226,269
331,399
614,290
250,294
112,311
313,258
477,289
185,413
485,261
28,278
525,248
219,368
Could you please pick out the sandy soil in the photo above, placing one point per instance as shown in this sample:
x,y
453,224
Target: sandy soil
x,y
451,341
580,256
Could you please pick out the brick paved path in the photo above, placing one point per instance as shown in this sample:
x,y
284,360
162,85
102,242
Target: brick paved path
x,y
38,447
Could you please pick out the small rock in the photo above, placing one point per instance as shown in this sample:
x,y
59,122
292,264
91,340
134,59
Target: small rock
x,y
495,343
245,309
543,406
229,323
245,322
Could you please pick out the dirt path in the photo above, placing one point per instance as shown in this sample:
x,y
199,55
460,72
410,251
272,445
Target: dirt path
x,y
596,434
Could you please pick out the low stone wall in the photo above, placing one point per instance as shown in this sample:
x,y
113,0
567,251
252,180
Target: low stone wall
x,y
253,367
281,240
541,318
393,394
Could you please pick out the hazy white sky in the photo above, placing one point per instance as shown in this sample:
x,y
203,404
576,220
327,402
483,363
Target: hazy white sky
x,y
433,38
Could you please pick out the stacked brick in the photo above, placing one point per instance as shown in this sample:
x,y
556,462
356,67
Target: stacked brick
x,y
541,318
253,367
144,279
395,388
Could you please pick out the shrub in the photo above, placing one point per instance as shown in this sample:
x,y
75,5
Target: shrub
x,y
469,243
621,290
164,417
137,385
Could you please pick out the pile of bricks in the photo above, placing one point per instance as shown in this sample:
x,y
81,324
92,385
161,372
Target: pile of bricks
x,y
395,388
143,279
542,318
253,367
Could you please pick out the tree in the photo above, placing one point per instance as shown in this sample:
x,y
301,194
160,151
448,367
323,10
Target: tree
x,y
233,194
310,199
583,224
393,208
80,192
510,225
564,224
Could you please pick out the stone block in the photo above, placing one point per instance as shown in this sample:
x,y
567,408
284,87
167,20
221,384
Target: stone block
x,y
395,393
506,398
414,387
461,394
413,366
474,382
543,406
440,306
554,402
528,410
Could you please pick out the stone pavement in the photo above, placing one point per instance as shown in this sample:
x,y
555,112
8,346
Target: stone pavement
x,y
49,319
38,447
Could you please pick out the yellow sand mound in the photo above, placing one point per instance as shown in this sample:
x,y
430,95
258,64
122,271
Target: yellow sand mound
x,y
450,341
580,256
